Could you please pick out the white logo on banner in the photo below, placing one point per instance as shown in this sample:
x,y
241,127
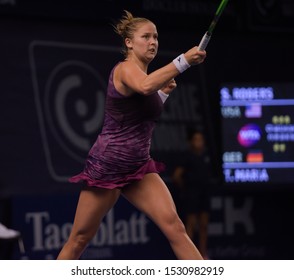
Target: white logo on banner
x,y
66,80
112,232
70,86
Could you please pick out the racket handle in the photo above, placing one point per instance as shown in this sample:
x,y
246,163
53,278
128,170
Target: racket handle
x,y
204,42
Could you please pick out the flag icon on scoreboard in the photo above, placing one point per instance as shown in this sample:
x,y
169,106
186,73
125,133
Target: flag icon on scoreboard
x,y
253,110
254,156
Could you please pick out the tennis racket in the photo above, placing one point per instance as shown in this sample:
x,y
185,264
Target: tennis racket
x,y
205,39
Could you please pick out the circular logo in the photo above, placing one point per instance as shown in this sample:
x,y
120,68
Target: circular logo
x,y
249,135
74,106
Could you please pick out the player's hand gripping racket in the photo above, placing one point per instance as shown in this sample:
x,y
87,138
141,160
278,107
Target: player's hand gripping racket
x,y
205,39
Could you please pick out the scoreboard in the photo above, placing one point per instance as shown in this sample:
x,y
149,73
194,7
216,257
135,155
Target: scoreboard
x,y
257,133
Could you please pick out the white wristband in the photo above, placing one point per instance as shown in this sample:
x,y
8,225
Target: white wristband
x,y
181,63
163,96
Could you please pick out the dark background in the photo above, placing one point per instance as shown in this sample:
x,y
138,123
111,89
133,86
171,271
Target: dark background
x,y
253,43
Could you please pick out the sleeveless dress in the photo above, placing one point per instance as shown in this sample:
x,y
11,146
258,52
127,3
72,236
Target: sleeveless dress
x,y
121,153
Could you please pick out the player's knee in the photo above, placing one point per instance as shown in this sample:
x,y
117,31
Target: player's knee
x,y
174,225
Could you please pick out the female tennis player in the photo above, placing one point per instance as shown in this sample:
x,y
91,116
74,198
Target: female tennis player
x,y
119,162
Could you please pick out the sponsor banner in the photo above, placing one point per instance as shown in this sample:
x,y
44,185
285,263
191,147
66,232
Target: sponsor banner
x,y
240,227
45,223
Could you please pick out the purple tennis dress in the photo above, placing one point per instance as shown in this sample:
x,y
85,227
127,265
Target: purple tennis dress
x,y
121,153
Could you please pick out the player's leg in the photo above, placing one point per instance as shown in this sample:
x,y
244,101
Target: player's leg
x,y
92,206
151,196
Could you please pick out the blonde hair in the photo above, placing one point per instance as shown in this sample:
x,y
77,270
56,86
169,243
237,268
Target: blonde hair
x,y
126,27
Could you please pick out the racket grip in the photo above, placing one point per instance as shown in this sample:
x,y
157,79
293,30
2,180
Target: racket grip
x,y
204,42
